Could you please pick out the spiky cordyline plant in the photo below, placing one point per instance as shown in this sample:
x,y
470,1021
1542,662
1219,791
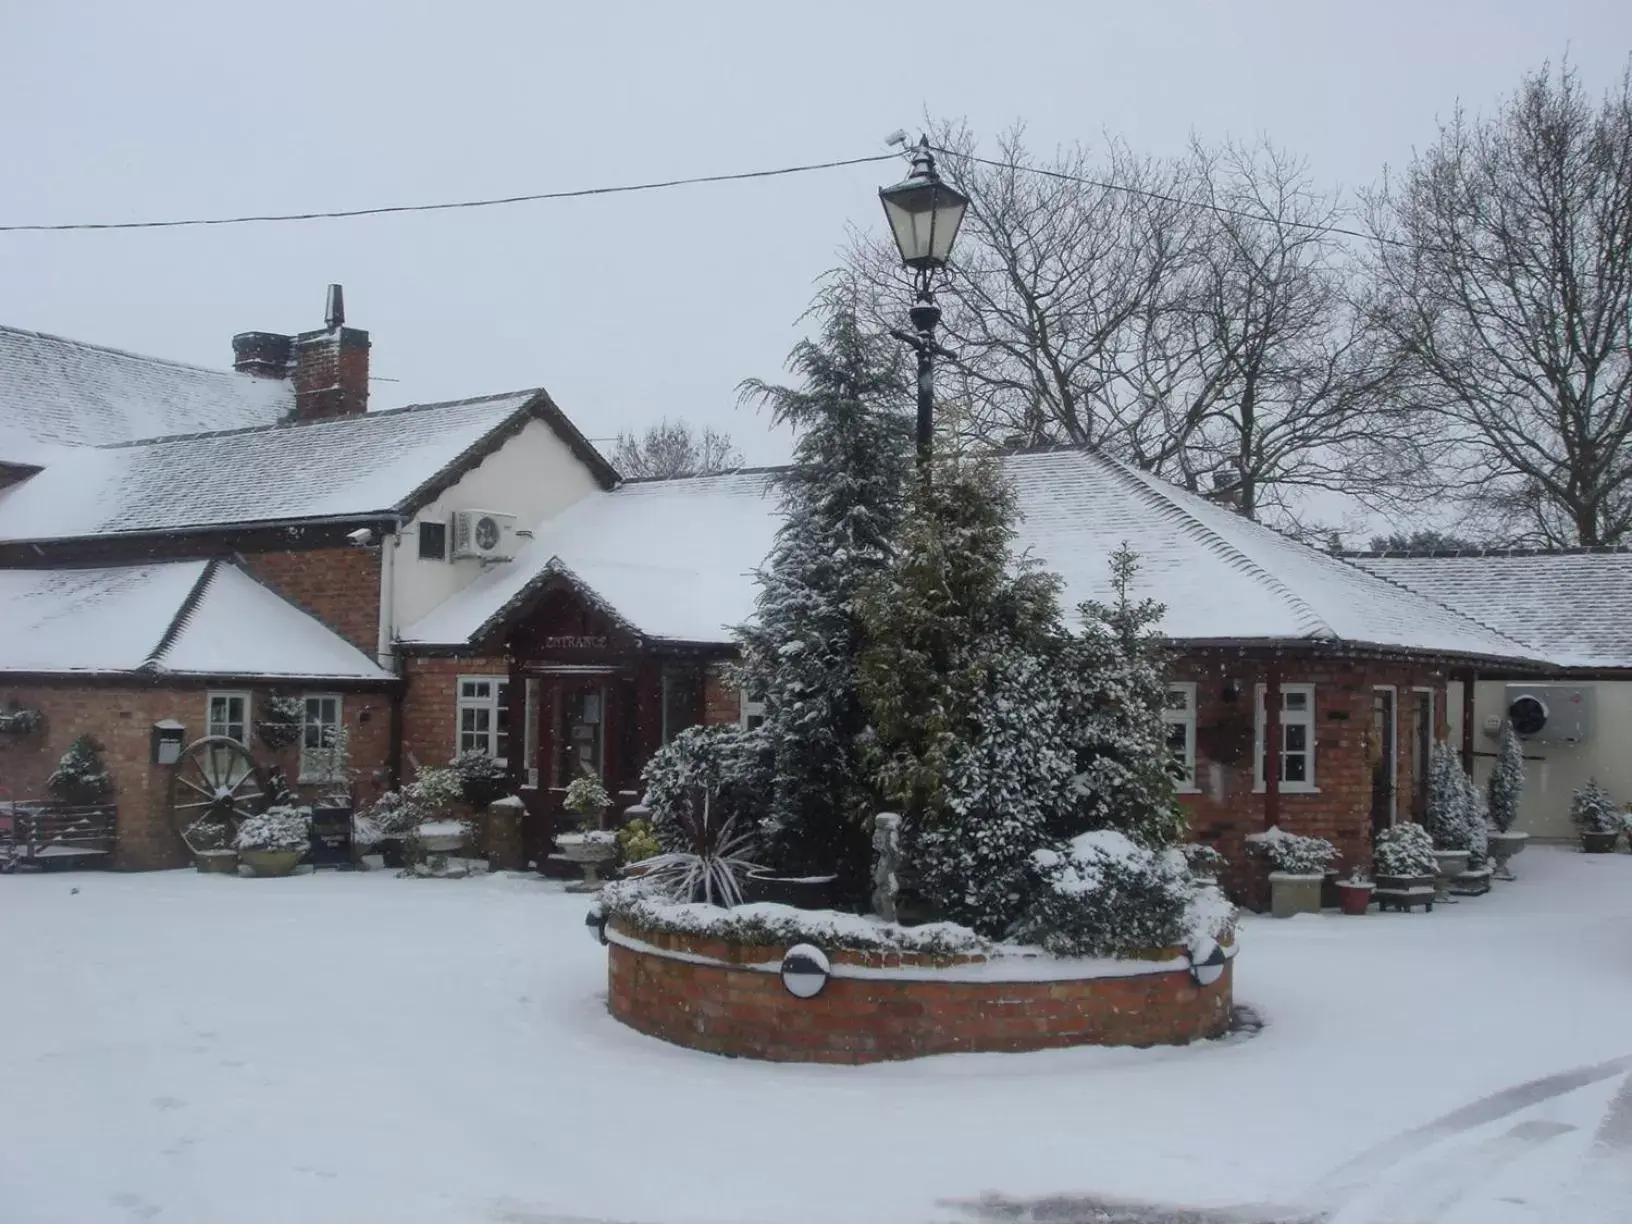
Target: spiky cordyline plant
x,y
709,871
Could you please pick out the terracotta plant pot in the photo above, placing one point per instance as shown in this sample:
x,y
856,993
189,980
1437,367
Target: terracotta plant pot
x,y
1294,894
270,862
217,862
1599,843
1354,898
1503,847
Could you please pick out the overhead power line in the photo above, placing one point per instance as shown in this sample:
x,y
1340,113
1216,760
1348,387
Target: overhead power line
x,y
621,189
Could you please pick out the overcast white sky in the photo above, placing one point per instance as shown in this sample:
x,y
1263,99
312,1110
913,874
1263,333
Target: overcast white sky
x,y
629,308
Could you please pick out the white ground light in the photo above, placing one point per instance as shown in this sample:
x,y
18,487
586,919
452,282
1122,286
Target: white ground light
x,y
188,1048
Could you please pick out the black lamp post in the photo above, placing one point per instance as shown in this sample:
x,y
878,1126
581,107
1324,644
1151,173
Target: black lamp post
x,y
924,214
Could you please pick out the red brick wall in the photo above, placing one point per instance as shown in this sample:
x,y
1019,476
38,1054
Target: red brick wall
x,y
1340,811
430,701
339,586
725,1009
122,718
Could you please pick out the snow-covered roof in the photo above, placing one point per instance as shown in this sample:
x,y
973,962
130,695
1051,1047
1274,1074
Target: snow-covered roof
x,y
56,392
181,618
1575,607
674,559
353,466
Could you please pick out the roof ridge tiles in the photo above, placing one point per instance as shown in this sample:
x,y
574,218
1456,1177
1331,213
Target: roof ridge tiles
x,y
1199,530
1419,554
184,613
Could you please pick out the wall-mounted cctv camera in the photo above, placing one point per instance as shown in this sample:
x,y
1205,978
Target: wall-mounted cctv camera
x,y
362,537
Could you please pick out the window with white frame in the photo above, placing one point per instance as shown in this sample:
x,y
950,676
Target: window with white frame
x,y
752,707
1297,744
228,715
484,717
323,749
1179,716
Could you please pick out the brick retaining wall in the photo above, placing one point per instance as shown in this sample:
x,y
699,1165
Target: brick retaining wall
x,y
699,993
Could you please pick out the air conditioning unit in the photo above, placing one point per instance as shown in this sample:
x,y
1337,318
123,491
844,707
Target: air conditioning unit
x,y
485,535
1551,713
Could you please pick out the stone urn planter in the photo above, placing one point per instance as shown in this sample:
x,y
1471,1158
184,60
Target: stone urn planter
x,y
1354,896
217,862
1448,864
1599,843
589,851
270,862
1504,847
441,836
1294,893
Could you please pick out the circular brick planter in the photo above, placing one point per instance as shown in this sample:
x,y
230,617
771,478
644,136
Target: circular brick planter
x,y
728,998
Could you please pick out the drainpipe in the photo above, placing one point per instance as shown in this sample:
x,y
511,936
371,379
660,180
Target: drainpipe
x,y
1468,682
1272,747
388,553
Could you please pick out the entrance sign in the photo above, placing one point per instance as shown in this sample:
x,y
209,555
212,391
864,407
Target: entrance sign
x,y
574,641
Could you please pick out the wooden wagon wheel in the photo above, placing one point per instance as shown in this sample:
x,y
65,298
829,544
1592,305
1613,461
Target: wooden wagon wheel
x,y
215,780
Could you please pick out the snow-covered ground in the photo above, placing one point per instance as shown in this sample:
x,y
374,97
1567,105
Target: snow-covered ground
x,y
359,1048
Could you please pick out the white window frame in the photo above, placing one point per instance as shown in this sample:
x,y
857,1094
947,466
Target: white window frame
x,y
748,707
308,767
498,695
1304,718
1186,718
210,722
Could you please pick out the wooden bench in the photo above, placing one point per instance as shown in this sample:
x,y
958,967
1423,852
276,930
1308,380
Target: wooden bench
x,y
54,834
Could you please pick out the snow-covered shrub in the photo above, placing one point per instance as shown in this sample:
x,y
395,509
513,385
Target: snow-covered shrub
x,y
715,857
1478,825
278,828
1404,850
1506,781
1593,811
1291,852
206,834
1106,895
730,764
1203,860
586,798
282,719
1450,814
842,499
80,777
481,778
20,720
433,792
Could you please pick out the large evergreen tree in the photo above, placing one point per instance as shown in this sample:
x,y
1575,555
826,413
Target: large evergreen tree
x,y
960,678
842,501
1115,689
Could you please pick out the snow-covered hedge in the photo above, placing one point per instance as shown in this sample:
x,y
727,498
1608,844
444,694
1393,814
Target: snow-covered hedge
x,y
1404,850
1292,853
1106,895
1593,811
640,906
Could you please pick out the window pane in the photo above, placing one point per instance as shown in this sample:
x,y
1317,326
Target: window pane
x,y
1297,737
1178,699
1295,701
501,720
1295,767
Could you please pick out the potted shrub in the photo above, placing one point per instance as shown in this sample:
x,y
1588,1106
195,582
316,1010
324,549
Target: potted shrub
x,y
1502,801
1299,869
211,844
1204,862
637,843
1354,893
79,778
1596,818
1448,819
271,843
591,846
481,778
1403,866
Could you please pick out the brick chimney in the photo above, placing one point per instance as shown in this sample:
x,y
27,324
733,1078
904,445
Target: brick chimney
x,y
329,368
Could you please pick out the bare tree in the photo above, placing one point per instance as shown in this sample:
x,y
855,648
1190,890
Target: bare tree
x,y
1504,267
673,448
1257,370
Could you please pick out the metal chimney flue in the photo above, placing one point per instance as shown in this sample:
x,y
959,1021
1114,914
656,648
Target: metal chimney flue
x,y
334,308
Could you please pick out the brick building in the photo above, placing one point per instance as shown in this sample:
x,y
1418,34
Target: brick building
x,y
473,575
